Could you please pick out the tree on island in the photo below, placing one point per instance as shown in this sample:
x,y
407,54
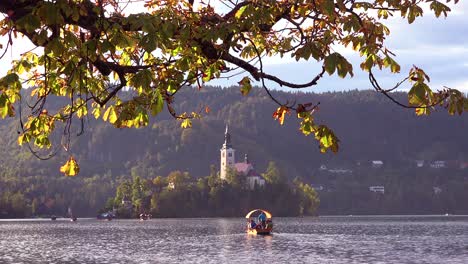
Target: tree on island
x,y
205,197
273,175
91,50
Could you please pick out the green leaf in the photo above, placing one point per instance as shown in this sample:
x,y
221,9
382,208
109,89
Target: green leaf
x,y
336,61
6,108
158,105
246,86
330,63
329,7
142,79
389,62
417,94
327,139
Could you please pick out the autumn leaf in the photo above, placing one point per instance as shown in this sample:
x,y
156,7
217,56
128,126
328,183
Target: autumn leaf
x,y
280,113
187,123
70,168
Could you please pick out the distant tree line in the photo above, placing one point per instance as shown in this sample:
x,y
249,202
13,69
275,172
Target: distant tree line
x,y
43,196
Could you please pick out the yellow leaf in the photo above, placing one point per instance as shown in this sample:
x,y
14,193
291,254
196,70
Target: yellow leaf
x,y
240,12
110,114
187,123
97,112
422,111
70,168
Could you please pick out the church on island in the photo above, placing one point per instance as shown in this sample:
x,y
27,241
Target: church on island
x,y
246,169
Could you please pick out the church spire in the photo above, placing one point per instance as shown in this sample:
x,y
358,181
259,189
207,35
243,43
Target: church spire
x,y
227,138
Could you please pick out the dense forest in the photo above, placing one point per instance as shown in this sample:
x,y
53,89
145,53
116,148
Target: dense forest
x,y
369,126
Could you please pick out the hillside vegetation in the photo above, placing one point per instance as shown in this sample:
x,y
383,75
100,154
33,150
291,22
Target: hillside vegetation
x,y
368,125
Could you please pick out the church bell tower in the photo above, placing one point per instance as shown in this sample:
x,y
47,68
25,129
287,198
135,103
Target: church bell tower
x,y
227,154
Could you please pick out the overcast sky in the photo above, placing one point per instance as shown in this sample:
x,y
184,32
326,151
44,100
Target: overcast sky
x,y
439,46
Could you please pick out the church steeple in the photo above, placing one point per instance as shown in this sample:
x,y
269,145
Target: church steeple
x,y
227,154
227,138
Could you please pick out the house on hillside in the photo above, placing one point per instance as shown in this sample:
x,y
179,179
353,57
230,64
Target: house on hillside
x,y
463,165
377,163
419,163
246,169
318,187
340,171
438,164
377,189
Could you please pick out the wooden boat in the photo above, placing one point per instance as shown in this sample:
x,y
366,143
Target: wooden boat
x,y
264,228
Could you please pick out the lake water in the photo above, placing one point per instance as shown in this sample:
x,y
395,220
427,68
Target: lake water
x,y
383,239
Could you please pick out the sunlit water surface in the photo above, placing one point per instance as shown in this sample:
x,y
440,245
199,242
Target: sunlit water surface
x,y
384,239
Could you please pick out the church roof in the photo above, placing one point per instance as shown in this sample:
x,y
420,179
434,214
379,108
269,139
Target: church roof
x,y
246,169
243,167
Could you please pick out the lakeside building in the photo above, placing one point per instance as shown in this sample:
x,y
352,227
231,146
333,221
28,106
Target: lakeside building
x,y
246,169
377,189
419,163
438,164
377,163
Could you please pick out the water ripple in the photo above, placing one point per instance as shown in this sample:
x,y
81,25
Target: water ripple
x,y
296,240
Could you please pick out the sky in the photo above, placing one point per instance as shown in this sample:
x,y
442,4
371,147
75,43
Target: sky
x,y
439,46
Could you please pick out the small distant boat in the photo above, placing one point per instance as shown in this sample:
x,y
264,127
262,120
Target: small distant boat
x,y
261,227
106,216
53,218
145,216
70,213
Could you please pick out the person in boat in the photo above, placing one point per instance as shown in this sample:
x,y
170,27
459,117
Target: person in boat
x,y
252,223
262,219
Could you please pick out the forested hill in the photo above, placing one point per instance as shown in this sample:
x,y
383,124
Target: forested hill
x,y
369,126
